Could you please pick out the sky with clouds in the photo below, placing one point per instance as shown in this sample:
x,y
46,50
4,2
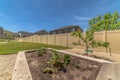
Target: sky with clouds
x,y
34,15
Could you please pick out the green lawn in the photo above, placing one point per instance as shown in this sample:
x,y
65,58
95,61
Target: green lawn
x,y
2,40
14,47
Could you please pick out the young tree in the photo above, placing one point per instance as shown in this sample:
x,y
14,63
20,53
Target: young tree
x,y
87,38
106,22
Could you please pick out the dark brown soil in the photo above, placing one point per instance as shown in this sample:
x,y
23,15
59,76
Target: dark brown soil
x,y
78,69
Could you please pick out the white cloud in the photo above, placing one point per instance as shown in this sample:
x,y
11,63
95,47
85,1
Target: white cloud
x,y
9,20
6,17
79,23
3,15
81,18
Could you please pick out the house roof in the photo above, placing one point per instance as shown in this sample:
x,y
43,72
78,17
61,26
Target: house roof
x,y
1,27
70,26
41,32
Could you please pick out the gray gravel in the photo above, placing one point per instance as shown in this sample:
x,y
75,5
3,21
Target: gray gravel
x,y
6,66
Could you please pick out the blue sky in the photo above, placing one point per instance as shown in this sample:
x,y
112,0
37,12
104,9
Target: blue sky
x,y
34,15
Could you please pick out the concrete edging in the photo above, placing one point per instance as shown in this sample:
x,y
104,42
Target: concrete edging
x,y
109,70
83,57
21,70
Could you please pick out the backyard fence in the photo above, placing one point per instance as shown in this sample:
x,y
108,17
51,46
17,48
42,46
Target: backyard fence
x,y
113,37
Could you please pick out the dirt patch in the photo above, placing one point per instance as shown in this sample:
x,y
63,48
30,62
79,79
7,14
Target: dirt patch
x,y
78,69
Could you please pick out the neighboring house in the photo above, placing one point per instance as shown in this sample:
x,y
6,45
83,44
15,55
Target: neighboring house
x,y
10,34
1,30
2,33
66,29
41,32
24,34
2,36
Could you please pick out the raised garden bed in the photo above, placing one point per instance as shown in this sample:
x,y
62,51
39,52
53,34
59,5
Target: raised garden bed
x,y
77,69
31,65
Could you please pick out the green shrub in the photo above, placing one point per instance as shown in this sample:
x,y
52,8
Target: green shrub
x,y
41,51
57,62
66,59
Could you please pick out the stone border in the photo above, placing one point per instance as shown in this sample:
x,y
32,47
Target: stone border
x,y
83,57
109,70
21,70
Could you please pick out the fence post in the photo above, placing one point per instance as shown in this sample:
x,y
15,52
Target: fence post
x,y
41,38
36,38
67,39
47,39
31,39
54,39
106,40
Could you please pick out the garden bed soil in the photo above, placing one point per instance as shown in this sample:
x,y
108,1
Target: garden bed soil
x,y
78,69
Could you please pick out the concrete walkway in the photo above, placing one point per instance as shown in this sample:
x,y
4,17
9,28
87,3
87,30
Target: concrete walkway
x,y
6,66
3,42
109,72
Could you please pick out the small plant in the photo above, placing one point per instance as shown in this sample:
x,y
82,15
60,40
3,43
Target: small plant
x,y
41,51
55,59
66,59
57,63
48,70
54,63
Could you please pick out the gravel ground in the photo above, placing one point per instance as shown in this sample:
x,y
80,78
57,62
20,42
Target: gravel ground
x,y
6,66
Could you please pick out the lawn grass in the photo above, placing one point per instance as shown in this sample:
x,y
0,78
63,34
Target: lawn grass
x,y
14,47
2,40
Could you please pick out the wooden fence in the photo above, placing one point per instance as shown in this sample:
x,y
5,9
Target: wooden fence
x,y
113,37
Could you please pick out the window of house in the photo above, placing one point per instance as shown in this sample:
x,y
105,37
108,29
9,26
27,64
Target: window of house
x,y
59,31
72,29
54,32
66,30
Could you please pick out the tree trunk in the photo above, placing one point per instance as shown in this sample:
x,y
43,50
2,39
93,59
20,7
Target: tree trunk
x,y
87,47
